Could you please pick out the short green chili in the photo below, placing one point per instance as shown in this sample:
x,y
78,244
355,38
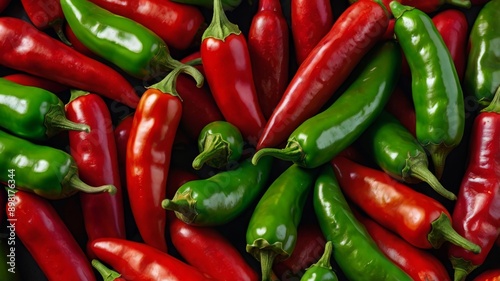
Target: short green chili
x,y
33,113
436,90
220,143
396,151
49,172
321,270
272,230
321,137
221,197
357,255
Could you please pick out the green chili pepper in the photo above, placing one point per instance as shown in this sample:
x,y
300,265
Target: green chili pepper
x,y
49,172
321,137
396,151
219,144
321,270
129,45
482,74
436,90
33,113
220,198
272,230
357,255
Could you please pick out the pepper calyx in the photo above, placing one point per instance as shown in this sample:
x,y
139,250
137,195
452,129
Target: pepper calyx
x,y
442,230
55,121
215,152
168,84
461,268
184,206
267,253
220,27
292,152
106,273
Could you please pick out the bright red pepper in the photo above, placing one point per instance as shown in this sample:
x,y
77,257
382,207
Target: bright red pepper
x,y
96,157
35,81
149,151
25,48
454,29
47,239
45,14
354,33
476,215
310,21
179,25
269,51
210,252
140,262
401,106
419,219
489,275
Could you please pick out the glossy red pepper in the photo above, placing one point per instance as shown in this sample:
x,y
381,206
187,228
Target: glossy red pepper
x,y
417,218
45,14
179,25
489,275
140,262
47,239
354,33
149,151
96,157
269,51
310,21
76,44
35,81
454,29
210,252
25,48
476,214
401,106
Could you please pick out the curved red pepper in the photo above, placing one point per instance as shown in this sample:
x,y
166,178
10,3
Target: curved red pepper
x,y
45,14
269,51
489,275
310,21
95,155
35,81
76,44
401,106
141,262
48,240
210,252
454,28
354,33
25,48
179,25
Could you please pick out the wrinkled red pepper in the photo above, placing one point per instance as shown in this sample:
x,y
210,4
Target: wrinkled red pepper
x,y
45,14
35,81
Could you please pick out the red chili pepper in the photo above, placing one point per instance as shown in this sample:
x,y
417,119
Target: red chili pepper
x,y
269,51
149,151
454,28
76,44
310,21
417,218
25,48
417,263
95,154
141,262
489,275
176,178
389,32
210,252
401,106
179,25
45,14
47,239
35,81
354,33
476,215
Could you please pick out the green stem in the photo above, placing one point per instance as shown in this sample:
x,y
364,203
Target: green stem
x,y
55,121
461,268
494,105
220,27
420,171
439,153
399,9
106,273
266,264
292,152
184,209
76,183
442,230
168,84
215,150
57,25
324,261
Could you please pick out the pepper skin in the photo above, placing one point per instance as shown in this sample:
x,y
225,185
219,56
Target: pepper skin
x,y
321,270
354,33
417,218
33,113
221,197
355,252
44,14
47,238
35,81
106,273
140,262
401,106
321,137
224,50
476,213
489,275
436,90
51,59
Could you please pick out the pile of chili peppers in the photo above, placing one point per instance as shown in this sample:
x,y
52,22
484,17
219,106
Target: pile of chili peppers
x,y
250,140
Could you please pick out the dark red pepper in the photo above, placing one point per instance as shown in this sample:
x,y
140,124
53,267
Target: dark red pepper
x,y
401,106
35,81
269,51
25,48
177,177
354,33
45,14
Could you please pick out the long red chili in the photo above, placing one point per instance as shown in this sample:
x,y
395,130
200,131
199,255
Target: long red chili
x,y
228,71
210,252
401,106
419,219
95,155
354,33
476,215
48,240
36,81
25,48
45,14
269,51
140,262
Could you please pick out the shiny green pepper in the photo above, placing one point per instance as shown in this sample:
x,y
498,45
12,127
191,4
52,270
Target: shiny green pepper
x,y
321,270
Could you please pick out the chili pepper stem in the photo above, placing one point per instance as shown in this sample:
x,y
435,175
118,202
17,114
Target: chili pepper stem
x,y
266,263
214,148
462,268
494,105
420,171
438,153
220,27
55,120
398,9
442,230
58,28
183,208
107,274
168,84
78,184
324,261
292,152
